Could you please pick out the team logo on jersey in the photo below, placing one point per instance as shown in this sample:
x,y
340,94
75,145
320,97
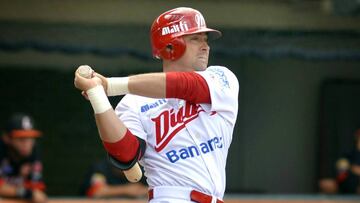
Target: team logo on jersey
x,y
169,123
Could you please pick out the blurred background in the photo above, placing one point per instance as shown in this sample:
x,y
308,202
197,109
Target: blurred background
x,y
297,61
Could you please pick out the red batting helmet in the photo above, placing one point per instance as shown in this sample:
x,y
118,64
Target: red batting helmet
x,y
167,29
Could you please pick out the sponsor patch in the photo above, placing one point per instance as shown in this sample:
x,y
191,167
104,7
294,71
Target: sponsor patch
x,y
194,151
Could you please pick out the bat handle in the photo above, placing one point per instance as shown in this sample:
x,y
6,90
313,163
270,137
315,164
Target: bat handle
x,y
134,174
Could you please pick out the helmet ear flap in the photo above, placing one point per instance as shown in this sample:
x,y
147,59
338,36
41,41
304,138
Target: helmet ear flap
x,y
174,49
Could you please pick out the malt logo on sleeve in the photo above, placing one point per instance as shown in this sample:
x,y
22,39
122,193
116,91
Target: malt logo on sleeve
x,y
169,122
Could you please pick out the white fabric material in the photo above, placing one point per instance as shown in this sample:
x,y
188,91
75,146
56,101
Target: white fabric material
x,y
98,99
169,200
187,144
117,86
174,193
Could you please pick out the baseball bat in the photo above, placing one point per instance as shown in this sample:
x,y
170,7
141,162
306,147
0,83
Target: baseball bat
x,y
133,174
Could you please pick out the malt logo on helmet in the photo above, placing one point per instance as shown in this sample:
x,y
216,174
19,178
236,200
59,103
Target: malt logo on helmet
x,y
169,27
178,27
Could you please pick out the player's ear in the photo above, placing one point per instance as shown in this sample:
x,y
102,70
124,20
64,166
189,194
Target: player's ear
x,y
169,47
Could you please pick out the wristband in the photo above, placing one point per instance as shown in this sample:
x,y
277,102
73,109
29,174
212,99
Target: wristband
x,y
98,99
117,86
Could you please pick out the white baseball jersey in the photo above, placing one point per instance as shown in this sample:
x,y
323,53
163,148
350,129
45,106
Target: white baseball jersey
x,y
187,144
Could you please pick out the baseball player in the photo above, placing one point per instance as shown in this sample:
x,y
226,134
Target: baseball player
x,y
20,163
177,124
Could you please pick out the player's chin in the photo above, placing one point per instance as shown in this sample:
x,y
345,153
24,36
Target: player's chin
x,y
200,66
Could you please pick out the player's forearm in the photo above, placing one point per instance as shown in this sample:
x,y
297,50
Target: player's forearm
x,y
117,139
189,86
110,128
148,85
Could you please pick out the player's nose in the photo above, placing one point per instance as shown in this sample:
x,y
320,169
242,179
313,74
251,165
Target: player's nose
x,y
205,46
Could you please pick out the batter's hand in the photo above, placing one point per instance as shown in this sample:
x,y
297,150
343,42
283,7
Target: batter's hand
x,y
85,84
103,79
